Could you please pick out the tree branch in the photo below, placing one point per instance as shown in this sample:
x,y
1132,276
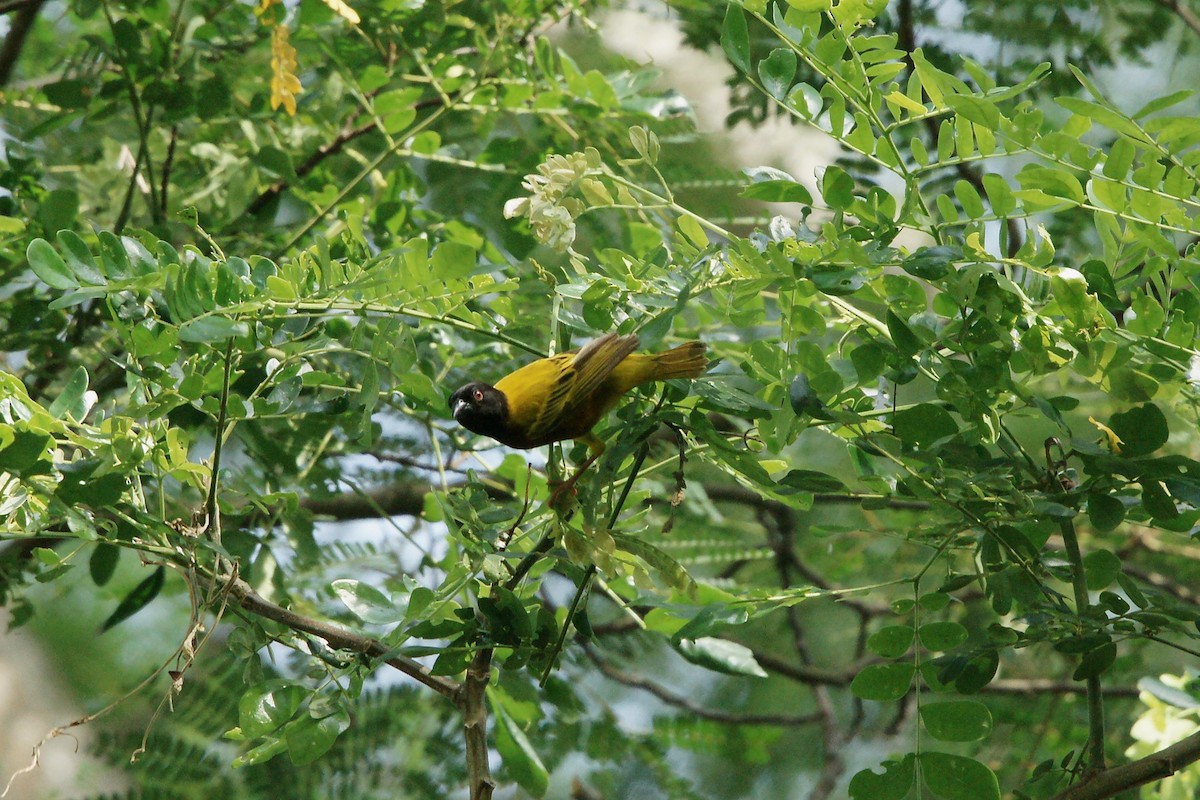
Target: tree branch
x,y
1154,767
330,148
13,5
473,701
341,639
407,498
1095,699
646,685
1184,12
18,31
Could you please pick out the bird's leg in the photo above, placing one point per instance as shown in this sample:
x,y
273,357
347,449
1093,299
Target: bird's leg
x,y
559,489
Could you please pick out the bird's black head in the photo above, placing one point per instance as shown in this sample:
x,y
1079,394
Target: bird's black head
x,y
480,408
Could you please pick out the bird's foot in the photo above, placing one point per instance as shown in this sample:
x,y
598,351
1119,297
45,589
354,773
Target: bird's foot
x,y
563,493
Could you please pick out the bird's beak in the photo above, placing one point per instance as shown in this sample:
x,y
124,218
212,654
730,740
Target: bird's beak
x,y
459,405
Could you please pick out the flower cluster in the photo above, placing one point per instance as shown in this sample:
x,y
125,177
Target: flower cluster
x,y
551,212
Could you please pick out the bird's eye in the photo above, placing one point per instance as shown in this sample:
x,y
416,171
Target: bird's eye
x,y
478,395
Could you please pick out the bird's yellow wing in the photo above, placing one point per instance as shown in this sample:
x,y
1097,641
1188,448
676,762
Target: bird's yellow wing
x,y
546,394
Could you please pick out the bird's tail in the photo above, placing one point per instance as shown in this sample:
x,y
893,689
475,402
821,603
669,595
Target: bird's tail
x,y
688,360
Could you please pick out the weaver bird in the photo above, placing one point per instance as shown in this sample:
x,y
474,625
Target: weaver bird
x,y
564,396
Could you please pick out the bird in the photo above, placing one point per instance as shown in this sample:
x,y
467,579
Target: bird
x,y
564,396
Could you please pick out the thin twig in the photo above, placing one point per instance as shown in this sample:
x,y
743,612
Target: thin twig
x,y
671,699
166,171
212,510
1095,699
586,581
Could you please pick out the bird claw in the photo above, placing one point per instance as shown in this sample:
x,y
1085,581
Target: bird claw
x,y
561,489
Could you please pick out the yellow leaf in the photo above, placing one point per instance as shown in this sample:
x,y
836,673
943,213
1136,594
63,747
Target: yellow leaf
x,y
1114,441
905,102
343,10
284,83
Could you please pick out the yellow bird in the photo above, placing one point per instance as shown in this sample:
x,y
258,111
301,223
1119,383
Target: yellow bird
x,y
564,396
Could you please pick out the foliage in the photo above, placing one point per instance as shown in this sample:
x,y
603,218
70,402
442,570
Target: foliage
x,y
947,444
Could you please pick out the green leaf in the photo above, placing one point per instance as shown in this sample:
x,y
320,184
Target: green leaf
x,y
931,263
735,38
778,191
1105,511
113,255
883,682
670,570
852,13
508,620
453,260
366,602
954,777
517,754
272,747
1142,429
136,600
1056,182
1156,500
79,258
924,424
934,601
103,563
72,400
308,739
955,582
48,265
205,330
71,93
902,336
1169,694
940,636
892,641
1161,103
957,720
265,708
1108,117
275,162
975,109
1147,316
1132,590
803,399
739,394
80,488
1101,568
808,480
1096,661
24,452
969,199
1000,195
894,784
977,673
777,72
837,188
59,209
720,655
